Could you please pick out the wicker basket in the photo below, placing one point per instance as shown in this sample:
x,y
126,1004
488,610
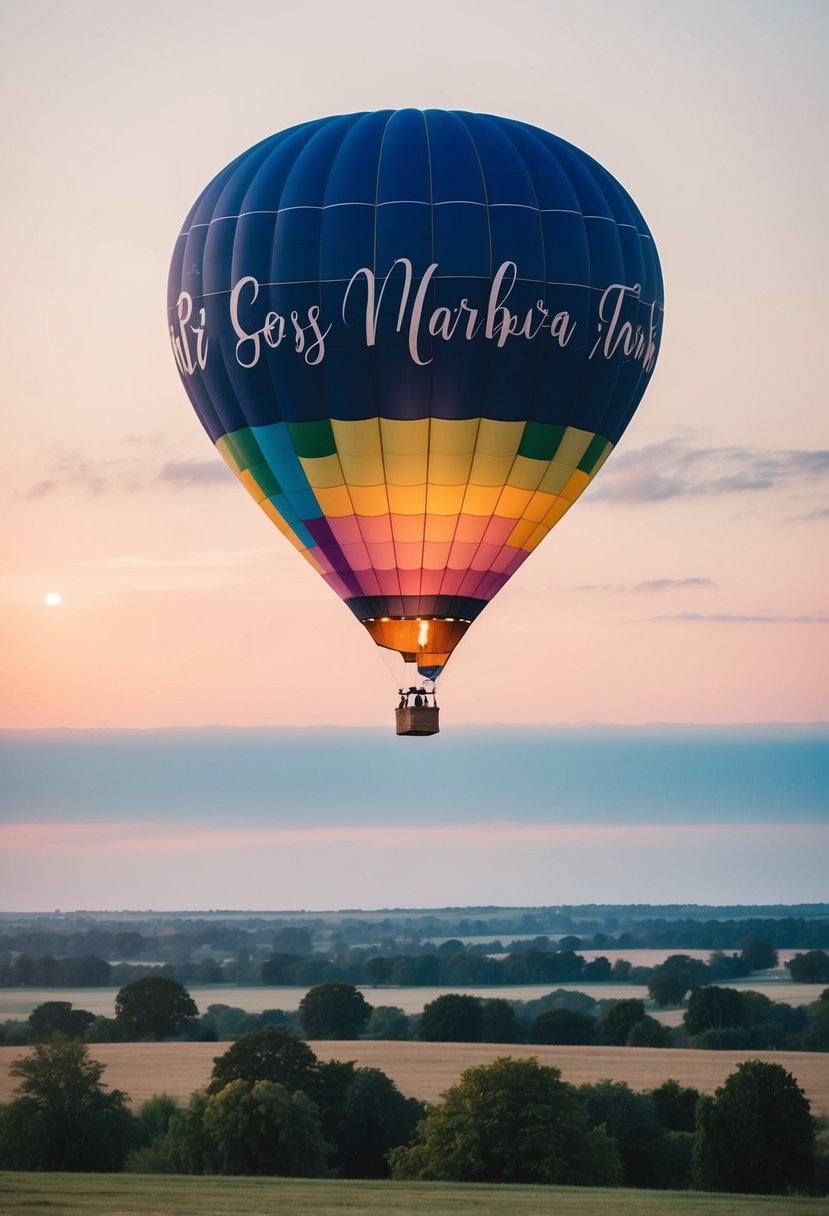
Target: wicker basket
x,y
417,720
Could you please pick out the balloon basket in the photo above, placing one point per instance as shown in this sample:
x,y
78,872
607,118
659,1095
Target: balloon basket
x,y
417,720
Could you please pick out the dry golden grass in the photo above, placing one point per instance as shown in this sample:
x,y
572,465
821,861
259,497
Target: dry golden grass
x,y
424,1070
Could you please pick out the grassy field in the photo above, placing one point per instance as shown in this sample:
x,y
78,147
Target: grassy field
x,y
425,1070
137,1195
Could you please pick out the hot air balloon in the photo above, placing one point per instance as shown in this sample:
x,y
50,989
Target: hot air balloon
x,y
415,337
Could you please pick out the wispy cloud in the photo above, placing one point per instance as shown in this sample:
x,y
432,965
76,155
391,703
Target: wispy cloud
x,y
132,466
180,474
671,584
73,471
650,585
820,513
209,558
740,618
675,468
42,489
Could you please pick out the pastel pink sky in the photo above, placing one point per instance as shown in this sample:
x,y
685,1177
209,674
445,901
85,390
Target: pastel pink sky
x,y
81,865
690,582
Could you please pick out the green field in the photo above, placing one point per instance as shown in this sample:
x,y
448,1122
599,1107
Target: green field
x,y
144,1195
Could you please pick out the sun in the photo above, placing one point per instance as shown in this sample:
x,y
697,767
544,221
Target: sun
x,y
53,598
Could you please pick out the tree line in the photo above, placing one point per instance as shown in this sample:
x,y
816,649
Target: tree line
x,y
271,1107
717,1017
450,964
181,940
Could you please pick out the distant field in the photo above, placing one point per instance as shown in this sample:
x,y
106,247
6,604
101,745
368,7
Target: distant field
x,y
425,1070
19,1002
137,1195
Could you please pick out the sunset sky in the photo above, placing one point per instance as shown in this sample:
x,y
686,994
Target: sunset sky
x,y
689,585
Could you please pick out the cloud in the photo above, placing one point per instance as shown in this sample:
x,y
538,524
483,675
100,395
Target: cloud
x,y
184,473
133,471
671,584
808,618
650,584
210,558
41,489
675,469
74,470
820,513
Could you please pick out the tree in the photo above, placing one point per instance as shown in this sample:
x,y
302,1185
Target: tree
x,y
153,1122
758,955
372,1118
726,967
671,980
631,1119
675,1105
714,1008
58,1017
240,969
468,969
563,1026
63,1119
509,1121
87,971
182,1149
334,1010
259,1128
292,939
378,970
498,1022
451,946
102,1030
617,1019
451,1018
810,968
22,971
816,1036
46,971
208,971
269,1054
598,971
315,971
154,1007
649,1033
279,968
387,1022
756,1134
155,1115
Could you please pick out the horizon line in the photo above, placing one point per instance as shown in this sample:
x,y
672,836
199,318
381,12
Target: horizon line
x,y
588,724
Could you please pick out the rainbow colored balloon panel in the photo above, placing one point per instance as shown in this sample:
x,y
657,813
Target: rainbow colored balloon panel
x,y
415,337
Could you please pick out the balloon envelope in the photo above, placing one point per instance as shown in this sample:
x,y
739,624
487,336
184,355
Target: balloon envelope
x,y
415,337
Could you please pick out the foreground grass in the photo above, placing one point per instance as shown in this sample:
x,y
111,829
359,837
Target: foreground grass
x,y
158,1195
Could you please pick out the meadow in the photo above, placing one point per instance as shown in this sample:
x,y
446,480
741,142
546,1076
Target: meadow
x,y
425,1070
138,1195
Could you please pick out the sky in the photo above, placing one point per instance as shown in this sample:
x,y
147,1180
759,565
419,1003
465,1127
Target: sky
x,y
343,818
689,586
